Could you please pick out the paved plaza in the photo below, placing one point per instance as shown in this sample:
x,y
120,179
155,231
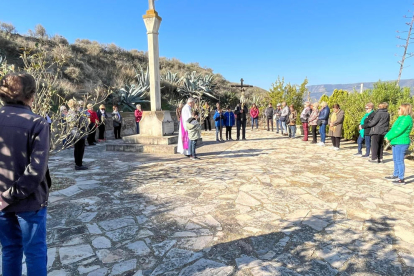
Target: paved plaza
x,y
265,206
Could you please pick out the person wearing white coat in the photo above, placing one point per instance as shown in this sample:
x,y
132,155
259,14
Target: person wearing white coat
x,y
183,140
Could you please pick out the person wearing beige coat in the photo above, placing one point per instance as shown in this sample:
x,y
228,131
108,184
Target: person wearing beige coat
x,y
335,126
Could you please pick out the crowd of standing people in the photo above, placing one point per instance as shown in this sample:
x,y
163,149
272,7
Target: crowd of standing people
x,y
25,145
374,128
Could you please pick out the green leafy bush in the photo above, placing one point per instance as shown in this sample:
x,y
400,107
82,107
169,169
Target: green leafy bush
x,y
353,103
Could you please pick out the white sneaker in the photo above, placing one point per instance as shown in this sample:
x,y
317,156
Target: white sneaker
x,y
336,149
321,144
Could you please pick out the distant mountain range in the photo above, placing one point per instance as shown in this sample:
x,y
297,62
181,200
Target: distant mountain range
x,y
316,91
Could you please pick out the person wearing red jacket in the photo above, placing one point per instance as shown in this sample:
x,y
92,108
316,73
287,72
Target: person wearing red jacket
x,y
138,116
254,113
93,123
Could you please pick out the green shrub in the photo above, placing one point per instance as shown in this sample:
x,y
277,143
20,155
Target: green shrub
x,y
353,104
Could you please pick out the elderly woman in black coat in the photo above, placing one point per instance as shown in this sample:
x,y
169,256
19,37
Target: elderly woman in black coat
x,y
379,125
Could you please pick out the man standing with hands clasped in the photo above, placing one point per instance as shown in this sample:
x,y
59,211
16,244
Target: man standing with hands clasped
x,y
269,116
241,120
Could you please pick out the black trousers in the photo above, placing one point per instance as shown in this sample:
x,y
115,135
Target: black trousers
x,y
207,122
117,132
377,147
241,125
228,132
336,141
79,151
101,129
91,136
271,121
314,136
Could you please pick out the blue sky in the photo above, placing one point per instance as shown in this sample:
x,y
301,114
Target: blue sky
x,y
328,41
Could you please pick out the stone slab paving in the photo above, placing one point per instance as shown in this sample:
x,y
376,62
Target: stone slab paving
x,y
266,206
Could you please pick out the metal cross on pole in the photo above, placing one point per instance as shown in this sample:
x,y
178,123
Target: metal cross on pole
x,y
242,86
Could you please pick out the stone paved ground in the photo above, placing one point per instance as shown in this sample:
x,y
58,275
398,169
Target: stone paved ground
x,y
266,206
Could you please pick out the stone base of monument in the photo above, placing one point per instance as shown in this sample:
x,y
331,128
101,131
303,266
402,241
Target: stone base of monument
x,y
154,149
151,140
157,136
145,144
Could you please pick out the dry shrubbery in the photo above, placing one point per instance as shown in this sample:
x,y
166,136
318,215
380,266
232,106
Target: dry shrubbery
x,y
74,74
90,62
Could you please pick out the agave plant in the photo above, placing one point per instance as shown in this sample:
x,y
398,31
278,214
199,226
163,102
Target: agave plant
x,y
230,99
197,86
171,78
132,94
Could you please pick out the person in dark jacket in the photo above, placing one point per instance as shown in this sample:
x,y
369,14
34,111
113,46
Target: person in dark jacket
x,y
102,116
379,125
78,122
364,133
24,178
269,116
241,113
206,116
93,123
323,122
116,122
229,122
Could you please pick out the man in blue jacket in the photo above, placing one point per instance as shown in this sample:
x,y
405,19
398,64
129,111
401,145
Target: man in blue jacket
x,y
219,122
323,121
229,122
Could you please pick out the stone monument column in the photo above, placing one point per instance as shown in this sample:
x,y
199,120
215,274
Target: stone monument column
x,y
152,23
154,123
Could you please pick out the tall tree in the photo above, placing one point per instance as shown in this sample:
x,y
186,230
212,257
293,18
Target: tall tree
x,y
407,43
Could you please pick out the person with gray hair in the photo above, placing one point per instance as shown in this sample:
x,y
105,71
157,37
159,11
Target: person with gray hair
x,y
364,134
304,119
284,117
138,116
313,121
183,140
276,116
323,121
379,125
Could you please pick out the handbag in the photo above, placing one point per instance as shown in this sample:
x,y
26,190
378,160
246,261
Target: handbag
x,y
283,118
319,122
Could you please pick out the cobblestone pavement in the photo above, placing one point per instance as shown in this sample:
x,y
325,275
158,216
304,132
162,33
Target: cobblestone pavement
x,y
265,206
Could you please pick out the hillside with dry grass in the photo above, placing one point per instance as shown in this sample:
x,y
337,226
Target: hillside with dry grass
x,y
89,64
